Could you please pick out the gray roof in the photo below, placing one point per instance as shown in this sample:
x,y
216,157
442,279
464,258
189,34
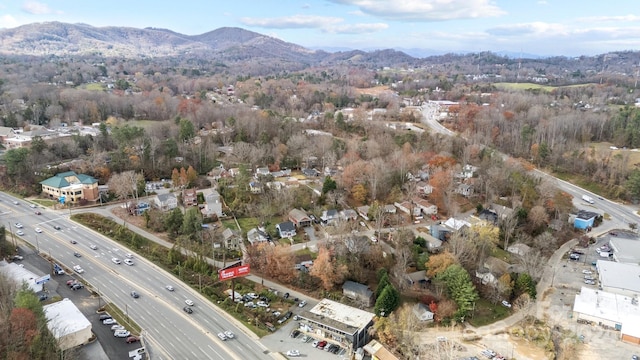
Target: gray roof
x,y
626,250
164,197
357,288
615,275
286,226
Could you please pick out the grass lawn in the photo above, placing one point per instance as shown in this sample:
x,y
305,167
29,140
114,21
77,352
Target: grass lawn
x,y
306,252
486,313
501,254
93,87
45,202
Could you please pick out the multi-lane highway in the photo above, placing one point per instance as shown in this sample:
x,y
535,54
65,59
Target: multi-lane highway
x,y
171,332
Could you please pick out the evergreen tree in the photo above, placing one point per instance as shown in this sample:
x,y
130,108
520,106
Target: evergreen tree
x,y
387,302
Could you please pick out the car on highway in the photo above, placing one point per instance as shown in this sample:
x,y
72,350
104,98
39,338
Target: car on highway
x,y
302,303
38,213
20,232
57,227
78,269
109,321
128,262
38,230
93,247
33,206
73,242
169,287
116,261
19,226
77,254
293,353
135,295
188,302
229,334
505,303
132,339
121,333
128,256
188,310
16,203
222,336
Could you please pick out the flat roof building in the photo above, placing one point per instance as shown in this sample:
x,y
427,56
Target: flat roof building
x,y
625,250
20,275
338,323
619,278
67,324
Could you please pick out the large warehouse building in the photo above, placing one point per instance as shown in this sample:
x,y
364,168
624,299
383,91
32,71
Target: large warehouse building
x,y
20,275
67,324
619,278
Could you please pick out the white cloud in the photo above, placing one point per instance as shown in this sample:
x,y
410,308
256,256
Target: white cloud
x,y
533,28
36,8
9,21
293,22
356,28
426,10
626,18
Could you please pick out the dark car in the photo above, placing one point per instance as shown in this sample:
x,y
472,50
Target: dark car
x,y
188,310
43,297
77,286
132,339
135,295
57,227
77,254
286,295
105,317
38,213
295,333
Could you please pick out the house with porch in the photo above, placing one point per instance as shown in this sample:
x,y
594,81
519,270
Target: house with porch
x,y
286,229
299,218
189,197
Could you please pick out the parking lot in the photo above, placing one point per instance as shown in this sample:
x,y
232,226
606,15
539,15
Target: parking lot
x,y
568,279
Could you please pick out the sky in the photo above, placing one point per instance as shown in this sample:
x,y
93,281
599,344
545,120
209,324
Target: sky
x,y
536,27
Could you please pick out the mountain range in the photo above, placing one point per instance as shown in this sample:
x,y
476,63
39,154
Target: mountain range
x,y
224,44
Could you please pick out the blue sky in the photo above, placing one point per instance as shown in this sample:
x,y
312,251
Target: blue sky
x,y
542,27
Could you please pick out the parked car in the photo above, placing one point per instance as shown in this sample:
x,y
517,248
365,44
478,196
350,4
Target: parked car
x,y
77,286
587,272
315,343
109,321
276,313
302,303
121,333
295,333
117,327
188,310
293,353
253,295
104,317
18,257
262,304
249,304
132,339
505,303
322,344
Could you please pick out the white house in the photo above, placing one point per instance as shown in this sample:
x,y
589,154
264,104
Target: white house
x,y
422,312
166,201
212,202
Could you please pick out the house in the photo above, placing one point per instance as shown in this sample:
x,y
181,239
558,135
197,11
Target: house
x,y
6,132
425,207
286,229
440,232
519,249
262,171
584,219
71,187
467,172
231,239
408,208
358,292
423,188
465,190
377,351
189,197
390,209
422,312
433,244
218,173
348,215
486,277
258,235
457,224
299,218
417,279
330,216
363,211
212,203
502,211
165,202
488,215
255,187
310,172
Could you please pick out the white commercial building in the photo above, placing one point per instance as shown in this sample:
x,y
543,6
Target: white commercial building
x,y
20,275
67,324
616,311
625,250
619,278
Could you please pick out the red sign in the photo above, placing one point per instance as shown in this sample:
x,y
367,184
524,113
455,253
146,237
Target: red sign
x,y
234,272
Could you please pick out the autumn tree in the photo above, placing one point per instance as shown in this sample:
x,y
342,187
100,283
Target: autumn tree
x,y
280,264
438,263
125,184
324,269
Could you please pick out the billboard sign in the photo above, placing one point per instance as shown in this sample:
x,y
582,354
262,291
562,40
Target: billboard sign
x,y
233,272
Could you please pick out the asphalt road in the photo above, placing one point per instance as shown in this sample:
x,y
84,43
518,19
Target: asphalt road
x,y
172,333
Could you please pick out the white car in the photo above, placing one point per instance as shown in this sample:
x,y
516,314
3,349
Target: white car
x,y
229,334
293,353
188,302
116,261
19,226
276,313
121,333
128,262
93,247
117,327
128,256
505,303
169,287
109,322
38,230
253,295
587,272
33,206
262,304
78,269
302,303
20,232
222,336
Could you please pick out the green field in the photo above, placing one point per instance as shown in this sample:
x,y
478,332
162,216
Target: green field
x,y
94,87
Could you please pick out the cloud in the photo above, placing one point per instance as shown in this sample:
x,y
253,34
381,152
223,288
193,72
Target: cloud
x,y
9,21
534,28
293,22
425,10
356,28
36,8
625,18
